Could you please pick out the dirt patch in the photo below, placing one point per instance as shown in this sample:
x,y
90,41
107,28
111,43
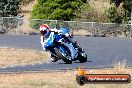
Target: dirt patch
x,y
81,32
12,56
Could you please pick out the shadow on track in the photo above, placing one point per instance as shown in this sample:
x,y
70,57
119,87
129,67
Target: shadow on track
x,y
74,62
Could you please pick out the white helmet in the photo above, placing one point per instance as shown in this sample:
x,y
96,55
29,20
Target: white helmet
x,y
44,29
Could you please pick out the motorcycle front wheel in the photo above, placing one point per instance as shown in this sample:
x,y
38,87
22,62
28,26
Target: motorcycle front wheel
x,y
66,57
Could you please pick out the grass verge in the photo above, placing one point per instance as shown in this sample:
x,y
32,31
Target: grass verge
x,y
65,79
12,56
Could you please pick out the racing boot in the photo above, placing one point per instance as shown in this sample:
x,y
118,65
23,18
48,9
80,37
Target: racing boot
x,y
53,58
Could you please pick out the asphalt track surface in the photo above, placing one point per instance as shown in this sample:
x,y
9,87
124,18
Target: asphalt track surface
x,y
102,52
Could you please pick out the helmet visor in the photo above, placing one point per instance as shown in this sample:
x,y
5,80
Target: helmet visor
x,y
43,32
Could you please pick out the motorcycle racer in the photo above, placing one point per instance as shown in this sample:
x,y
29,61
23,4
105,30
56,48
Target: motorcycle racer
x,y
47,38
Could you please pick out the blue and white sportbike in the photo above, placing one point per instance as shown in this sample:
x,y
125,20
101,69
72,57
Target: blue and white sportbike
x,y
63,49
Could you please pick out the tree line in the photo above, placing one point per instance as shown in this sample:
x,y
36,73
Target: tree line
x,y
119,11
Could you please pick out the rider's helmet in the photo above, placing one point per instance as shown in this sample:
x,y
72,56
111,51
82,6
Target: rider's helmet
x,y
44,29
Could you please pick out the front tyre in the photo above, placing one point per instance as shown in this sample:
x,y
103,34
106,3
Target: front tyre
x,y
66,58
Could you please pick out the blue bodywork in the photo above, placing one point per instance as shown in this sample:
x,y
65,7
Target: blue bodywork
x,y
55,38
64,30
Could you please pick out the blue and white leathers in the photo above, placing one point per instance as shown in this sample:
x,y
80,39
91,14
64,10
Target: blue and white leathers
x,y
53,37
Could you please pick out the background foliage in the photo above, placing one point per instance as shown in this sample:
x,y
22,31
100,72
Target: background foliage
x,y
90,14
57,9
9,8
120,11
79,10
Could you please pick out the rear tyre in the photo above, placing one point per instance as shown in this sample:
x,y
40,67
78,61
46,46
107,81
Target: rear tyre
x,y
66,57
82,57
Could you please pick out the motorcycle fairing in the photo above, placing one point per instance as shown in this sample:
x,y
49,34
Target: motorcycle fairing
x,y
50,42
73,51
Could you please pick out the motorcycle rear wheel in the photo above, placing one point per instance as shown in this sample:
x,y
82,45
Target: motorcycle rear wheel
x,y
82,58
